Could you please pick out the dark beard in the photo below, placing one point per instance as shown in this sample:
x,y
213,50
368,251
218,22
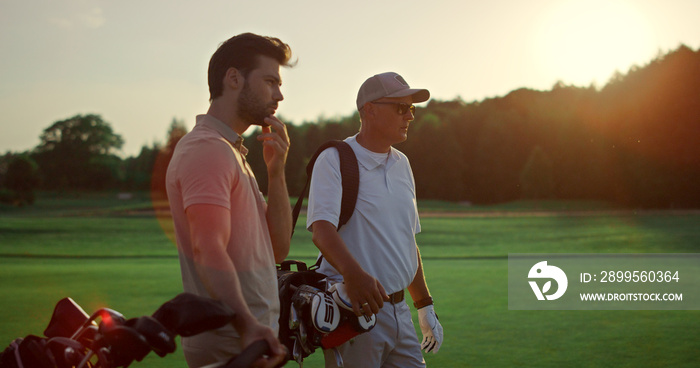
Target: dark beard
x,y
250,109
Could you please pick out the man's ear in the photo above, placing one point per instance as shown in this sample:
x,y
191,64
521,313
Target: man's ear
x,y
368,109
233,78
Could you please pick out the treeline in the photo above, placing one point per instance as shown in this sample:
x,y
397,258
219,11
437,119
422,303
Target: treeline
x,y
634,142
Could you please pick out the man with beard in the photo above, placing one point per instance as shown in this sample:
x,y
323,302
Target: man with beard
x,y
228,237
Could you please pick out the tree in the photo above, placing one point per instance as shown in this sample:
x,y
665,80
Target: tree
x,y
84,133
426,133
138,170
537,178
21,179
76,153
176,131
499,158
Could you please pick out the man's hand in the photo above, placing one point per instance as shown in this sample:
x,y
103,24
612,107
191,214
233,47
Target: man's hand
x,y
365,292
275,145
252,331
431,328
279,213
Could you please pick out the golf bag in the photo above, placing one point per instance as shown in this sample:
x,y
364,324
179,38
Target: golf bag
x,y
30,351
295,319
310,316
74,339
48,351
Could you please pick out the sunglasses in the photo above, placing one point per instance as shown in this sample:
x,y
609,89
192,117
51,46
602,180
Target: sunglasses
x,y
402,107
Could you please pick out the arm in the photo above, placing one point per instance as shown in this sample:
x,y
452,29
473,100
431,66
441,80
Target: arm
x,y
210,231
279,216
279,211
361,286
418,287
427,319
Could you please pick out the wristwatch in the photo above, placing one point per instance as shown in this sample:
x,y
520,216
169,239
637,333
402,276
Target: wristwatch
x,y
423,302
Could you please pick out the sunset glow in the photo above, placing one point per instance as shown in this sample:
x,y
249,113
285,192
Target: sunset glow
x,y
587,41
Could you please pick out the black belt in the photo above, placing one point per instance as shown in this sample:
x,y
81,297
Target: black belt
x,y
396,297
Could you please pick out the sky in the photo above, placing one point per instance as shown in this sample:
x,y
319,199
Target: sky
x,y
142,63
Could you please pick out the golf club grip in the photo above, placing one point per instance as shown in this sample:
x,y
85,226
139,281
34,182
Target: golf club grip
x,y
249,355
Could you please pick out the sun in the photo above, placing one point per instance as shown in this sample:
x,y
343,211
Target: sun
x,y
585,42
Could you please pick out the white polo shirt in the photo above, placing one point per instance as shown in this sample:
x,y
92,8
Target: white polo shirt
x,y
381,232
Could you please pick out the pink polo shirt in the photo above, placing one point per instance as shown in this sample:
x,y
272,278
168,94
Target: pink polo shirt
x,y
206,168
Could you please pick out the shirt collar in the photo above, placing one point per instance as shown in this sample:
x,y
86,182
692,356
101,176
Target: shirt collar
x,y
365,157
226,132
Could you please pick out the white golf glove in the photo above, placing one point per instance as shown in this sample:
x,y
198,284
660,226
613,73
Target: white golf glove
x,y
431,328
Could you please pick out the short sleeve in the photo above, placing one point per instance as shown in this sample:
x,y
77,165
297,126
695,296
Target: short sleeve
x,y
326,189
208,174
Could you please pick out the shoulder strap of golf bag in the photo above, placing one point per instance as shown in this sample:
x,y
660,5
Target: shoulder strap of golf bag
x,y
350,174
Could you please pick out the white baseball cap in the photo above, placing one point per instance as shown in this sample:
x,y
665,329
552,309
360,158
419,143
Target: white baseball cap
x,y
388,84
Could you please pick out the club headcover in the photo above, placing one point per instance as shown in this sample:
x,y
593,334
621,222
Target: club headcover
x,y
340,295
124,345
325,313
67,318
364,323
161,339
188,314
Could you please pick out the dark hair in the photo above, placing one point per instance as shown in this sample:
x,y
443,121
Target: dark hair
x,y
242,52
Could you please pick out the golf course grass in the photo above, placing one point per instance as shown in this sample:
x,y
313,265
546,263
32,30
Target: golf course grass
x,y
107,253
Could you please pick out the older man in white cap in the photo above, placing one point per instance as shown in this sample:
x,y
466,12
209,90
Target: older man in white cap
x,y
375,254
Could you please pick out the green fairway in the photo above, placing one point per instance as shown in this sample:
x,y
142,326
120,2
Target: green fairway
x,y
127,263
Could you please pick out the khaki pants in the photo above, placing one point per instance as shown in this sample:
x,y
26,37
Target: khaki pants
x,y
391,343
